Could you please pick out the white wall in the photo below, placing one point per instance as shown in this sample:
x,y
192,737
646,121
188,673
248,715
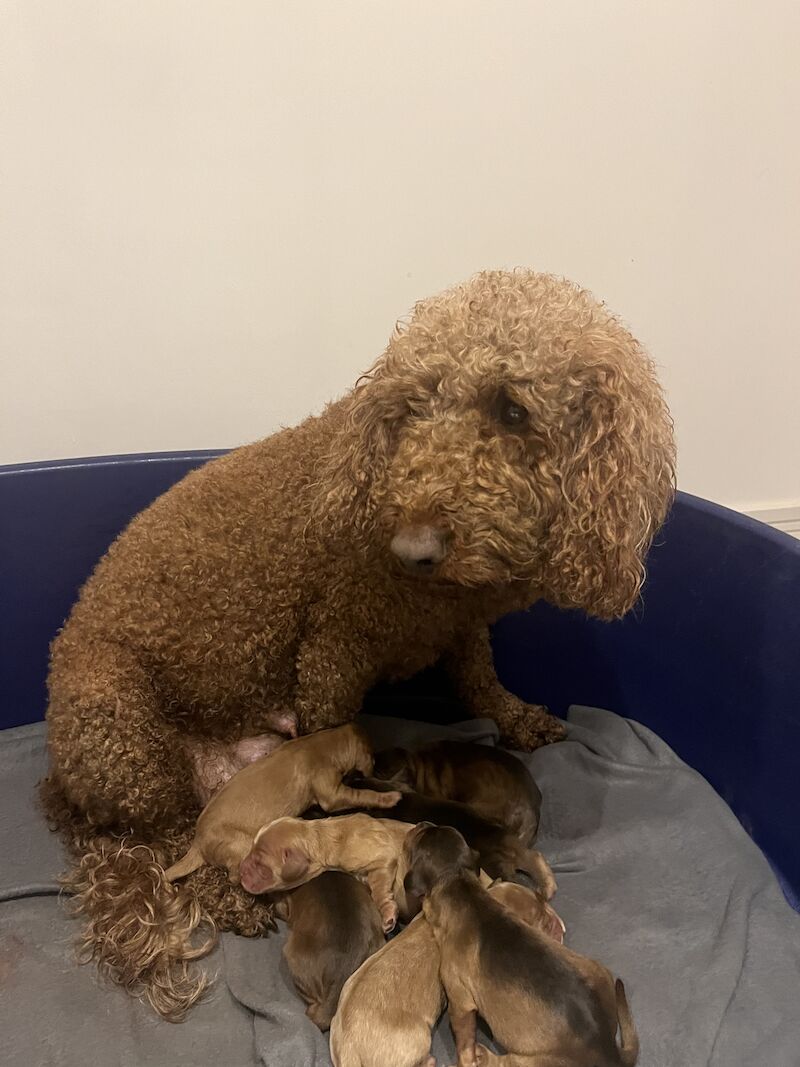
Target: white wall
x,y
212,213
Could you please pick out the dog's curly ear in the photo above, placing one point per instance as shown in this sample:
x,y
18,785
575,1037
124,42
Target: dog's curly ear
x,y
617,484
361,448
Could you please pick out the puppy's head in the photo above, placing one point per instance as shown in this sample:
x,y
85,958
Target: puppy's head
x,y
277,859
529,907
513,431
433,855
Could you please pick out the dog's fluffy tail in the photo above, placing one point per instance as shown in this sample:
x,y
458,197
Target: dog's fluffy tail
x,y
142,932
629,1049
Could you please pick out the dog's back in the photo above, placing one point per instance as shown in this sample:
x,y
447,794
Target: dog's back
x,y
388,1007
517,974
495,784
334,927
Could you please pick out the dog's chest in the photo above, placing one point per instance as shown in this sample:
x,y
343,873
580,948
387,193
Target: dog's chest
x,y
406,642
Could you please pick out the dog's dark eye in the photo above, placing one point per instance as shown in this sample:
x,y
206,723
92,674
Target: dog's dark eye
x,y
511,414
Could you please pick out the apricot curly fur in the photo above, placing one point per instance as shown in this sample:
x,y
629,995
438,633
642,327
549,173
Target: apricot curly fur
x,y
262,584
141,932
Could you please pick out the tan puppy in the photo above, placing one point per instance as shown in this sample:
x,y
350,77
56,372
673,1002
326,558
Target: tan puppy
x,y
300,773
495,784
334,926
389,1006
547,1006
289,852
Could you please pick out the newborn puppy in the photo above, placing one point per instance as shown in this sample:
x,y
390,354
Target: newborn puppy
x,y
302,772
334,926
547,1006
495,784
289,852
501,853
389,1006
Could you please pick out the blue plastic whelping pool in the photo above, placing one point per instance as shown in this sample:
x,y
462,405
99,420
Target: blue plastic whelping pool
x,y
709,660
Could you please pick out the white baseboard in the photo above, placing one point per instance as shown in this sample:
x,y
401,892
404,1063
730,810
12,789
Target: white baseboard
x,y
786,519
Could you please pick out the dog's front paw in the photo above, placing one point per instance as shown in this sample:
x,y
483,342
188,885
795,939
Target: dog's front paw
x,y
388,800
526,726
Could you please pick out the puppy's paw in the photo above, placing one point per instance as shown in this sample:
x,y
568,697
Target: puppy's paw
x,y
388,800
554,925
544,876
389,913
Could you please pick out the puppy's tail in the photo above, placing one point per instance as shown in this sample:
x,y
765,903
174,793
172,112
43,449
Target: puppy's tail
x,y
629,1049
142,932
192,861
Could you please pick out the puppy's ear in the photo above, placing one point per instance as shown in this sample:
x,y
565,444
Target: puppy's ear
x,y
294,865
415,883
393,763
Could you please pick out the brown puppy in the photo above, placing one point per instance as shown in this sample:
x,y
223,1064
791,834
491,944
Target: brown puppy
x,y
306,771
334,926
495,784
502,854
548,1006
289,852
388,1007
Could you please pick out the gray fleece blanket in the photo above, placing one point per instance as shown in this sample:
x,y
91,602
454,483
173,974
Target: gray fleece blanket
x,y
656,878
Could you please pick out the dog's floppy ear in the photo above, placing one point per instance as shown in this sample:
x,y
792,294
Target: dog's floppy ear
x,y
294,865
415,883
615,485
361,450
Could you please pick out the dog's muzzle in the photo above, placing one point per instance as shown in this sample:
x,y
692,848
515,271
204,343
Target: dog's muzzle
x,y
419,548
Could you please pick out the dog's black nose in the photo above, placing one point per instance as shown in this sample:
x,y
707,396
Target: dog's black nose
x,y
420,548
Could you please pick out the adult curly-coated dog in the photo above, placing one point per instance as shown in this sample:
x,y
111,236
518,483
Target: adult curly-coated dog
x,y
512,443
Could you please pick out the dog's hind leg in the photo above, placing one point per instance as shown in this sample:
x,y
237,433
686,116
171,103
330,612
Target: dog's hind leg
x,y
116,762
112,753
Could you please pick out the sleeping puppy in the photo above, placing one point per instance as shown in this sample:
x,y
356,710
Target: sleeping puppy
x,y
502,854
308,770
495,784
334,926
288,852
383,1017
547,1006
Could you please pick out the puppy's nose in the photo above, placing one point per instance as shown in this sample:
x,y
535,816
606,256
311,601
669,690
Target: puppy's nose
x,y
419,548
